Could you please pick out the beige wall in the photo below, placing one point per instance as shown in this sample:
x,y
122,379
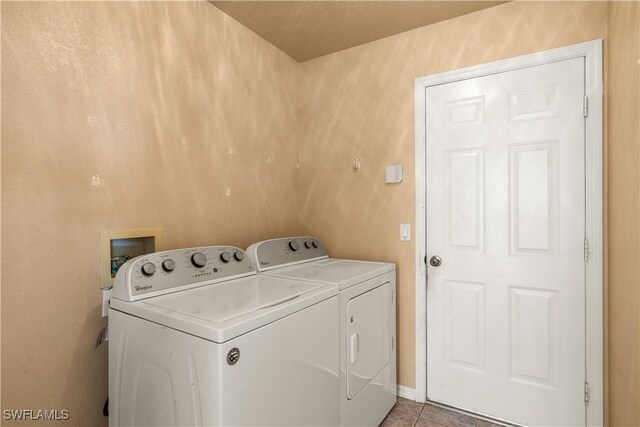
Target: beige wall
x,y
169,104
623,209
360,103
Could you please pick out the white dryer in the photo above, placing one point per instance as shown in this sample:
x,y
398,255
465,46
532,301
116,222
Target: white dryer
x,y
198,338
367,319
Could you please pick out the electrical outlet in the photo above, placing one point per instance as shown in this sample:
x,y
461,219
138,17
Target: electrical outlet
x,y
106,299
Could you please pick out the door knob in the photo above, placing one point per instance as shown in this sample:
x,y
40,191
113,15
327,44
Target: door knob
x,y
435,261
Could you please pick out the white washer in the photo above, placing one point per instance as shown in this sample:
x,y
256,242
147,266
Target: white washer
x,y
198,338
367,319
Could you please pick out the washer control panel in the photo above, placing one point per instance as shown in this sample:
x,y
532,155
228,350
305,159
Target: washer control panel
x,y
171,271
275,253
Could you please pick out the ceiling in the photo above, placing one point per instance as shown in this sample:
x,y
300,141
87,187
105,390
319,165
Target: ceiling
x,y
308,29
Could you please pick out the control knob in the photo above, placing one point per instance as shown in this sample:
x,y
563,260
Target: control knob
x,y
199,259
308,244
168,265
239,255
315,244
148,268
293,245
225,257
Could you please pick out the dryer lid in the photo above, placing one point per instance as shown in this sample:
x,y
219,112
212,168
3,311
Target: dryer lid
x,y
344,273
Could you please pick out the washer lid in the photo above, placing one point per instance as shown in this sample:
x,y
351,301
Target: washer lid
x,y
223,311
222,303
344,273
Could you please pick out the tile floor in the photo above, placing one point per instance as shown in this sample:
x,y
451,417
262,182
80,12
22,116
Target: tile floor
x,y
412,414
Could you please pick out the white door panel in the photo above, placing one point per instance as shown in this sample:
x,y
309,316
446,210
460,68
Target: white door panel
x,y
506,213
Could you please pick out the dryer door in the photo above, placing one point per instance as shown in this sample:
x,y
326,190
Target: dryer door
x,y
368,337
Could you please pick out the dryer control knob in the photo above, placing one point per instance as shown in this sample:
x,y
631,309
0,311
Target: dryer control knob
x,y
238,255
199,259
168,265
293,245
315,244
307,244
225,257
148,268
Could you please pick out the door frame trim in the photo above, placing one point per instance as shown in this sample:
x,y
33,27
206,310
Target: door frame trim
x,y
592,52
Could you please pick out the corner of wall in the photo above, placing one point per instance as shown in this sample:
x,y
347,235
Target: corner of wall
x,y
623,206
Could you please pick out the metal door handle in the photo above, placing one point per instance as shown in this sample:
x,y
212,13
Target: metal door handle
x,y
435,261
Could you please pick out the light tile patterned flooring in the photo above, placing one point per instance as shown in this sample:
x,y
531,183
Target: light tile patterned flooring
x,y
407,413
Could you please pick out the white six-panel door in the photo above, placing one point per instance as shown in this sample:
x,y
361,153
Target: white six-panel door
x,y
505,203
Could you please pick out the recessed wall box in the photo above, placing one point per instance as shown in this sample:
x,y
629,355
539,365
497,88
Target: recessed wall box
x,y
117,247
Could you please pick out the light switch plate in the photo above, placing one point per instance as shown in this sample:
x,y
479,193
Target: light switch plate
x,y
405,232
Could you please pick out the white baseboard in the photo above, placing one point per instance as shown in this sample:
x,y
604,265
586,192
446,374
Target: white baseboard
x,y
406,392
